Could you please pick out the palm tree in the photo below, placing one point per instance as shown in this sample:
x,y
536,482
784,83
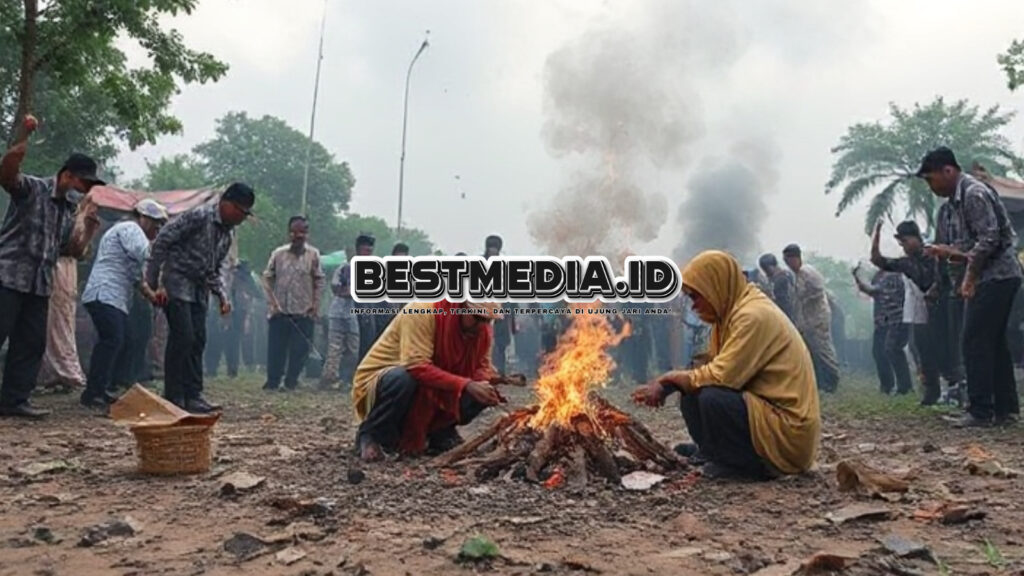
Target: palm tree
x,y
884,157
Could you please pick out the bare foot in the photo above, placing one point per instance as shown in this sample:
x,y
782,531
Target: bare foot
x,y
371,452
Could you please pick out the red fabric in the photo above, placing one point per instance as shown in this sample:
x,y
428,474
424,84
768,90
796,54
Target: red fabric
x,y
458,358
176,201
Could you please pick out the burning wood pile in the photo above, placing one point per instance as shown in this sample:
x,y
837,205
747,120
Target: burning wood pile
x,y
571,434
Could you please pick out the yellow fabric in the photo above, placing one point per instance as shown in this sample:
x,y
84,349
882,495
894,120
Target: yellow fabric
x,y
407,341
756,349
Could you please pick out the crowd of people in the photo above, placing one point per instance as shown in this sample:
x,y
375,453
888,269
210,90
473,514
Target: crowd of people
x,y
750,402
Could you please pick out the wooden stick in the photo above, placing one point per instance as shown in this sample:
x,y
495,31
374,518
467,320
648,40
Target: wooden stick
x,y
460,452
537,459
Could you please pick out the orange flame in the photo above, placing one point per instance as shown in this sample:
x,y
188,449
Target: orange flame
x,y
579,363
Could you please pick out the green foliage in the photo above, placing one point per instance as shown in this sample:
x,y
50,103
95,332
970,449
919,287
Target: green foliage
x,y
859,323
885,156
993,555
81,87
1012,62
270,155
478,548
179,172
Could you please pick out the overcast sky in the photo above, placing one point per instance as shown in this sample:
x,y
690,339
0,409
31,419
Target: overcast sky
x,y
796,72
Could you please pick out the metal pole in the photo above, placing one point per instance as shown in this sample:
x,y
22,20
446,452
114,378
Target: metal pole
x,y
405,122
312,116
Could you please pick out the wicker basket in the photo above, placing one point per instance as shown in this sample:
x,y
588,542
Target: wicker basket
x,y
173,450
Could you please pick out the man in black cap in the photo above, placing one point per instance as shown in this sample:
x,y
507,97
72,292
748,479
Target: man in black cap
x,y
980,234
188,258
30,239
919,268
505,328
813,318
783,283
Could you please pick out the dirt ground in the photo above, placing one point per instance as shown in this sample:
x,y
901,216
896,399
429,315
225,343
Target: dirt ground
x,y
405,518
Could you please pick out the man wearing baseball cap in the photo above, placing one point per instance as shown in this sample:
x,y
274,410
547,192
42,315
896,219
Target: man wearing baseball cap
x,y
428,372
919,268
978,233
185,266
30,240
108,295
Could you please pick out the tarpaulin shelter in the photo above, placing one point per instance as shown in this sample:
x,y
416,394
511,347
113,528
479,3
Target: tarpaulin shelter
x,y
1011,191
176,201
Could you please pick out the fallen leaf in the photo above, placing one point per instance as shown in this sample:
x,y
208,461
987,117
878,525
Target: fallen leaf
x,y
961,514
992,468
787,569
238,482
38,468
826,562
290,556
856,475
902,546
641,480
859,512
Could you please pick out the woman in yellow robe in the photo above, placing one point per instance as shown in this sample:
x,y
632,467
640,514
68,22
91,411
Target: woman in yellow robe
x,y
752,410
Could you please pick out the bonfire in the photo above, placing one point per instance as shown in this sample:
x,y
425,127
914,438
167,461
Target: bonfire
x,y
571,434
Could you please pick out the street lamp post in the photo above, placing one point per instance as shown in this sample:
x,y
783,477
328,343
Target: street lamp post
x,y
405,122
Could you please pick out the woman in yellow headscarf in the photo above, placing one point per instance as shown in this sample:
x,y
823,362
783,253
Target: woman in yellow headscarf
x,y
752,410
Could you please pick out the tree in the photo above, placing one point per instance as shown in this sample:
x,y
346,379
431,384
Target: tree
x,y
60,60
180,172
1012,62
271,155
885,156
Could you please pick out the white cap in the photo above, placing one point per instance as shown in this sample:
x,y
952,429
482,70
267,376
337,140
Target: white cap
x,y
151,209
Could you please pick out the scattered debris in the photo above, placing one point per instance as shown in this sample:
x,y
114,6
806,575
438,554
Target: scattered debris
x,y
718,557
859,512
356,476
682,552
478,548
44,534
433,542
245,546
296,507
689,525
904,547
39,468
579,566
113,529
640,480
854,475
787,569
290,556
826,562
239,482
286,453
948,513
990,468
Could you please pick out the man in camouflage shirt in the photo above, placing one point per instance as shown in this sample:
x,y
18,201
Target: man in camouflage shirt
x,y
30,239
979,233
891,334
185,267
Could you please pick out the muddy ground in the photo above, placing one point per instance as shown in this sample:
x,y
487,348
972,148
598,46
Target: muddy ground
x,y
405,518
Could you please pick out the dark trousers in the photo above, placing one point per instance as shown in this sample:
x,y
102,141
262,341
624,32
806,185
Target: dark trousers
x,y
888,348
367,334
395,392
991,387
716,418
183,359
948,312
135,367
23,328
288,339
108,353
224,341
926,339
499,355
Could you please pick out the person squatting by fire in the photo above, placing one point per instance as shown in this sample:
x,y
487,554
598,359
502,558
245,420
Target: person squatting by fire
x,y
752,410
426,374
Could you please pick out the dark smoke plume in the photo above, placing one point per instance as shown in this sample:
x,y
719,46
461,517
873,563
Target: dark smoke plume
x,y
725,205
